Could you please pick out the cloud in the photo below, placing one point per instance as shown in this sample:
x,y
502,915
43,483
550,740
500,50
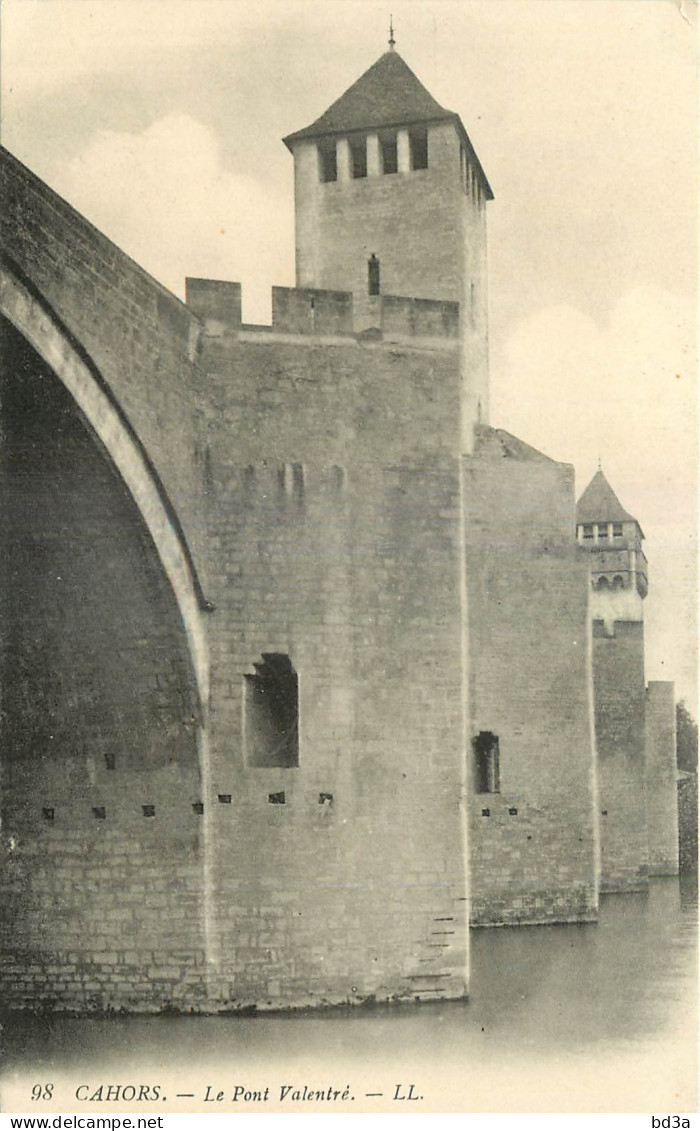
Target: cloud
x,y
165,196
624,391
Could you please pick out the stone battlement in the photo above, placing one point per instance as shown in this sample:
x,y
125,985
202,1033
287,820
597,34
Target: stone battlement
x,y
325,313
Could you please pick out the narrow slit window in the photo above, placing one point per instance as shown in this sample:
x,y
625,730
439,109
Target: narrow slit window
x,y
327,162
358,157
271,719
373,276
290,483
486,762
389,151
418,140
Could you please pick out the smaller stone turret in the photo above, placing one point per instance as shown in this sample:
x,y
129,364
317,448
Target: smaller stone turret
x,y
614,539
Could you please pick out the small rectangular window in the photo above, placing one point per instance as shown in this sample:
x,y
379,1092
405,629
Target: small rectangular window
x,y
358,157
327,161
390,159
487,778
418,141
588,530
602,530
617,530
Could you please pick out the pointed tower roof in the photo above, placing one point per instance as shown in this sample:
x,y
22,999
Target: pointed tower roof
x,y
599,503
386,95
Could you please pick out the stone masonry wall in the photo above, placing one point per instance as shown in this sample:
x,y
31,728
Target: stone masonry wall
x,y
618,674
100,905
661,779
333,512
533,842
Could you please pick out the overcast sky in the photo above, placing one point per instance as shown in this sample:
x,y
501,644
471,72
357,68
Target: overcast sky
x,y
161,121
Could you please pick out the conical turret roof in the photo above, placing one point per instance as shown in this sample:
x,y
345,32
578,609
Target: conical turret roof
x,y
599,503
387,95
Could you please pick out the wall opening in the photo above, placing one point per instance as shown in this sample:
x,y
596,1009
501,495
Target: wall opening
x,y
290,481
389,151
418,140
373,275
487,776
271,719
327,162
358,157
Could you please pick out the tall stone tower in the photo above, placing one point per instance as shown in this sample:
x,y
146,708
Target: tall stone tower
x,y
390,201
618,588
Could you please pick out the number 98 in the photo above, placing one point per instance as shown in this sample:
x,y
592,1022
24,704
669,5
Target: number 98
x,y
42,1092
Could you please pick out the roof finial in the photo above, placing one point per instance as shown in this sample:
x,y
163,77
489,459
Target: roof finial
x,y
392,41
600,464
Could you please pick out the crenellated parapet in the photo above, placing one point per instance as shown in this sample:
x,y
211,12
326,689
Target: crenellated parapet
x,y
313,311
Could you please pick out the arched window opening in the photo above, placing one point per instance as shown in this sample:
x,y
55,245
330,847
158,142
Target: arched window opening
x,y
618,582
487,775
602,583
271,713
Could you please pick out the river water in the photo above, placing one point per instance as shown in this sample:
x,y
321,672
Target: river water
x,y
591,1018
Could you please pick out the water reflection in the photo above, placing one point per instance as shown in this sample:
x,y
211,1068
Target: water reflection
x,y
617,988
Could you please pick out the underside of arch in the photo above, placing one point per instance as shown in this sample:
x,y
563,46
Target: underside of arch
x,y
34,320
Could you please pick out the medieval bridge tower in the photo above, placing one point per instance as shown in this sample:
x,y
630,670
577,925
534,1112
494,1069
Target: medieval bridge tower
x,y
390,200
634,721
296,652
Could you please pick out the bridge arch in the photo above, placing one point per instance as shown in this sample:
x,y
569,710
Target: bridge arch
x,y
36,322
